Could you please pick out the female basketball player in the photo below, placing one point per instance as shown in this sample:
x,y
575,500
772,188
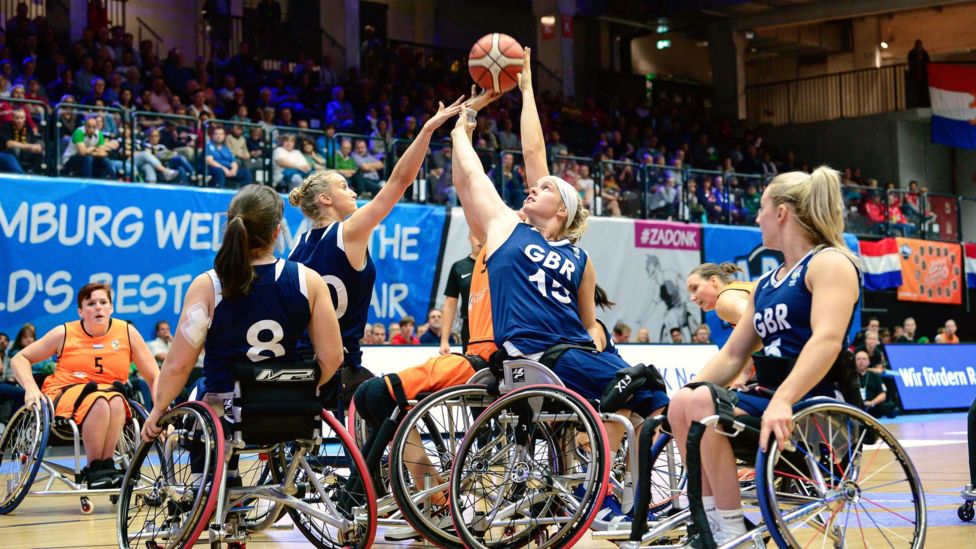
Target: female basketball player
x,y
336,246
94,355
250,307
798,312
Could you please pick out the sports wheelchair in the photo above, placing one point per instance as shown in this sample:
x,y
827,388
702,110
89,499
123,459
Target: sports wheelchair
x,y
298,459
427,439
25,470
842,480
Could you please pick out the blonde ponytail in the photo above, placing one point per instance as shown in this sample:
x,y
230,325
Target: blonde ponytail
x,y
578,227
817,201
305,195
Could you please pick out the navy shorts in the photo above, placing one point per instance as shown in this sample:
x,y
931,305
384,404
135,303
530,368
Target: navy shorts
x,y
590,373
752,403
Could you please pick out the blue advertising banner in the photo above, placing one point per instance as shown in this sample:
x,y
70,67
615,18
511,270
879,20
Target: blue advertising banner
x,y
150,241
743,246
934,377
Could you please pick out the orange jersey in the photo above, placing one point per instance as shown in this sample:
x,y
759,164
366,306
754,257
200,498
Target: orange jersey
x,y
482,335
85,358
451,370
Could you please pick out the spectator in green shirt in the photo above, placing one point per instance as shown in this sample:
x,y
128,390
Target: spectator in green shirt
x,y
86,154
873,391
343,160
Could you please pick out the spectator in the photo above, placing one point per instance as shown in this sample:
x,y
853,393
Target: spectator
x,y
8,108
897,332
288,166
918,78
643,335
749,205
435,329
509,181
676,335
948,334
873,391
393,330
237,143
555,147
507,139
910,335
11,394
86,154
312,156
664,203
368,173
584,185
19,147
342,160
621,333
221,164
873,325
405,335
703,335
339,112
872,345
168,160
379,334
456,293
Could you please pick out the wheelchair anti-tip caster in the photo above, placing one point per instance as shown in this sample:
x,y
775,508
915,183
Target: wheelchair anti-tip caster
x,y
87,507
966,511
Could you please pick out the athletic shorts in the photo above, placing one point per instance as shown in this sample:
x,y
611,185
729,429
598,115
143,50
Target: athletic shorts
x,y
589,374
66,404
374,402
755,404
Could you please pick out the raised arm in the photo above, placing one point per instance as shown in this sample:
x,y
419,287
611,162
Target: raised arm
x,y
361,224
533,142
485,211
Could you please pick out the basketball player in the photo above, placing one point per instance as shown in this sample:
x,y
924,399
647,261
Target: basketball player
x,y
251,307
337,245
94,355
797,313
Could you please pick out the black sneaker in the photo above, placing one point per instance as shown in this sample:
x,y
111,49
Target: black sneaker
x,y
100,474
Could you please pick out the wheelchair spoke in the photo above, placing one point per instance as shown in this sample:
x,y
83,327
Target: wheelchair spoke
x,y
882,529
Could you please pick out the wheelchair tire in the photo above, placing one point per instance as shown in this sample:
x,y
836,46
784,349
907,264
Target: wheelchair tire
x,y
837,486
164,466
337,458
22,449
440,434
668,481
527,440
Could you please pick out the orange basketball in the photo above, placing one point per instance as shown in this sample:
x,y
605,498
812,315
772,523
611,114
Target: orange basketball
x,y
495,61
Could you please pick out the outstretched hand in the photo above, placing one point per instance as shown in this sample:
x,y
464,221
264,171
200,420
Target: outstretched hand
x,y
481,100
525,75
444,114
466,121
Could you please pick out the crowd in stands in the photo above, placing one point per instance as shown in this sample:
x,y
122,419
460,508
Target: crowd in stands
x,y
659,159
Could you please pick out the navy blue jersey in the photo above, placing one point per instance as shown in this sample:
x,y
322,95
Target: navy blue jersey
x,y
262,326
534,287
323,251
782,317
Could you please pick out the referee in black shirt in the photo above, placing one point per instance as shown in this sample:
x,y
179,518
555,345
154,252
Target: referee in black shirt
x,y
458,286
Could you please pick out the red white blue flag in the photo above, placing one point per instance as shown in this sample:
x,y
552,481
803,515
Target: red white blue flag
x,y
952,89
882,266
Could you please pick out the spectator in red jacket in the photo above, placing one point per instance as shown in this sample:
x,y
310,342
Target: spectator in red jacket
x,y
405,337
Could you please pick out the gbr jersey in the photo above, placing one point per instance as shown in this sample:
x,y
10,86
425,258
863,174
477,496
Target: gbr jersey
x,y
262,326
534,287
782,317
322,249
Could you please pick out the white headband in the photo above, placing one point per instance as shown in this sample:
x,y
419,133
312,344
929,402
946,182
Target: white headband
x,y
569,195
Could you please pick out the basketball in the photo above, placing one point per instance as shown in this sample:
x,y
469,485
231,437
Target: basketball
x,y
495,61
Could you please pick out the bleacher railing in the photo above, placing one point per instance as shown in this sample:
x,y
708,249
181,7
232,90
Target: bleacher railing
x,y
637,188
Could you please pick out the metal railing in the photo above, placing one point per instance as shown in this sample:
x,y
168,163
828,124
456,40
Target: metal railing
x,y
828,97
81,111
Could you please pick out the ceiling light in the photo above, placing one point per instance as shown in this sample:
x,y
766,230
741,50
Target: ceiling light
x,y
548,20
884,45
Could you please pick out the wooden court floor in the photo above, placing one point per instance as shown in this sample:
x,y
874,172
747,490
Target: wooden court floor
x,y
936,444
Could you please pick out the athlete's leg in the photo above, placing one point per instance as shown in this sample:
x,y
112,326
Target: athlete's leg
x,y
117,408
94,429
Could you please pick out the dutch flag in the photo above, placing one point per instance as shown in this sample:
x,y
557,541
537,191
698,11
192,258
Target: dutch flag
x,y
882,267
953,92
970,265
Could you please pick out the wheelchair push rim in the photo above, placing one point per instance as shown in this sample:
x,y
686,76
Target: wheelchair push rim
x,y
546,499
176,491
848,483
22,448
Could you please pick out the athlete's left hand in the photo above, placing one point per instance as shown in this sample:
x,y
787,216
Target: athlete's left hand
x,y
777,421
444,114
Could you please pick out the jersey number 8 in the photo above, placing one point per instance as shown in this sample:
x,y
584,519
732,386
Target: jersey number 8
x,y
259,346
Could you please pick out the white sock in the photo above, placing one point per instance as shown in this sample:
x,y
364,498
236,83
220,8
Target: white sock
x,y
708,502
730,521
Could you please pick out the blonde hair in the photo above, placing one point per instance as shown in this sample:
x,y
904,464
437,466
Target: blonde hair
x,y
315,184
724,271
818,204
577,228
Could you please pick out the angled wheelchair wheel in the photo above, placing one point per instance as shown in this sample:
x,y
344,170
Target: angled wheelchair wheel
x,y
22,448
423,453
847,483
337,490
131,436
668,479
169,491
256,469
517,479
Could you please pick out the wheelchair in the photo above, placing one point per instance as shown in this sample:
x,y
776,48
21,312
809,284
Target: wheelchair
x,y
291,456
25,470
842,480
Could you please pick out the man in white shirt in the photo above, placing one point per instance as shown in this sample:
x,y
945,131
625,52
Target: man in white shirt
x,y
160,346
288,167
